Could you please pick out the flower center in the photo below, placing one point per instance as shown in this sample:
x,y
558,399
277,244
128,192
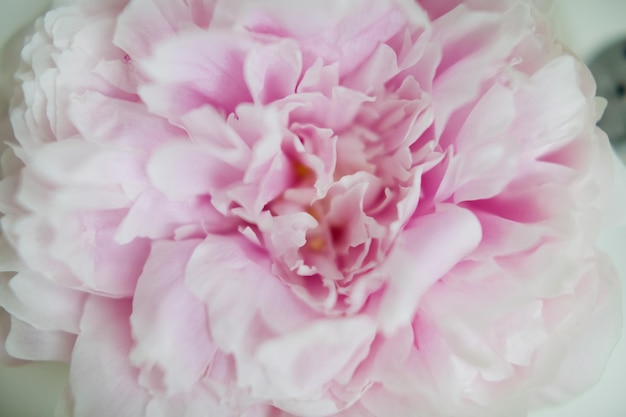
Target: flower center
x,y
346,232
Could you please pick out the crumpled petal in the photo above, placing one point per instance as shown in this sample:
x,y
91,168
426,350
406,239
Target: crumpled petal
x,y
318,208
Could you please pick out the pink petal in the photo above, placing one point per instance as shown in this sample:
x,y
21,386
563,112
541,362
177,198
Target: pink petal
x,y
153,216
333,31
504,237
102,379
272,71
182,171
77,162
429,247
27,342
246,303
478,43
380,67
207,128
22,296
127,124
303,361
145,23
86,245
485,163
168,323
211,61
592,313
5,328
546,121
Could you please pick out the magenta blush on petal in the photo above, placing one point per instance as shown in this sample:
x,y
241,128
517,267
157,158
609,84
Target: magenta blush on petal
x,y
211,61
318,208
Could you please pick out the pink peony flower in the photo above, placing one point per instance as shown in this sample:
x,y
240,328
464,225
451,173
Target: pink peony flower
x,y
240,208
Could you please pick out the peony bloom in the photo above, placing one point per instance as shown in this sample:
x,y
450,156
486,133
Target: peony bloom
x,y
274,208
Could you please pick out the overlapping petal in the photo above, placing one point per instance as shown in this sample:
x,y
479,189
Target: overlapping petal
x,y
315,208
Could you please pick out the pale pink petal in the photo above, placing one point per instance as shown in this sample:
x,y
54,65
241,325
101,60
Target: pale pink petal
x,y
335,112
381,67
211,61
197,403
29,343
269,208
182,171
168,323
474,48
250,273
264,306
479,173
305,360
272,72
568,113
319,78
434,244
86,245
102,379
388,355
333,31
5,327
596,307
154,216
145,23
127,123
501,236
22,297
207,128
81,163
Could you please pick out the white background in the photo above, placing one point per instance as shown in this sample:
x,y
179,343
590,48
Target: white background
x,y
585,25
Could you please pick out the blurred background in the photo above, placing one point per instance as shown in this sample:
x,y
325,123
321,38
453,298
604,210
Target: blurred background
x,y
595,30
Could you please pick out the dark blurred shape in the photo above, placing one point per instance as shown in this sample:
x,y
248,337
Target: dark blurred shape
x,y
609,69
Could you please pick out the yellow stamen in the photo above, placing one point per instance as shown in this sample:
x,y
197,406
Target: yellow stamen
x,y
313,213
302,171
316,244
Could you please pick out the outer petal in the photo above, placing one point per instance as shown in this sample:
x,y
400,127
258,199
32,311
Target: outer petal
x,y
102,379
145,23
168,322
479,43
128,124
22,296
26,342
594,315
